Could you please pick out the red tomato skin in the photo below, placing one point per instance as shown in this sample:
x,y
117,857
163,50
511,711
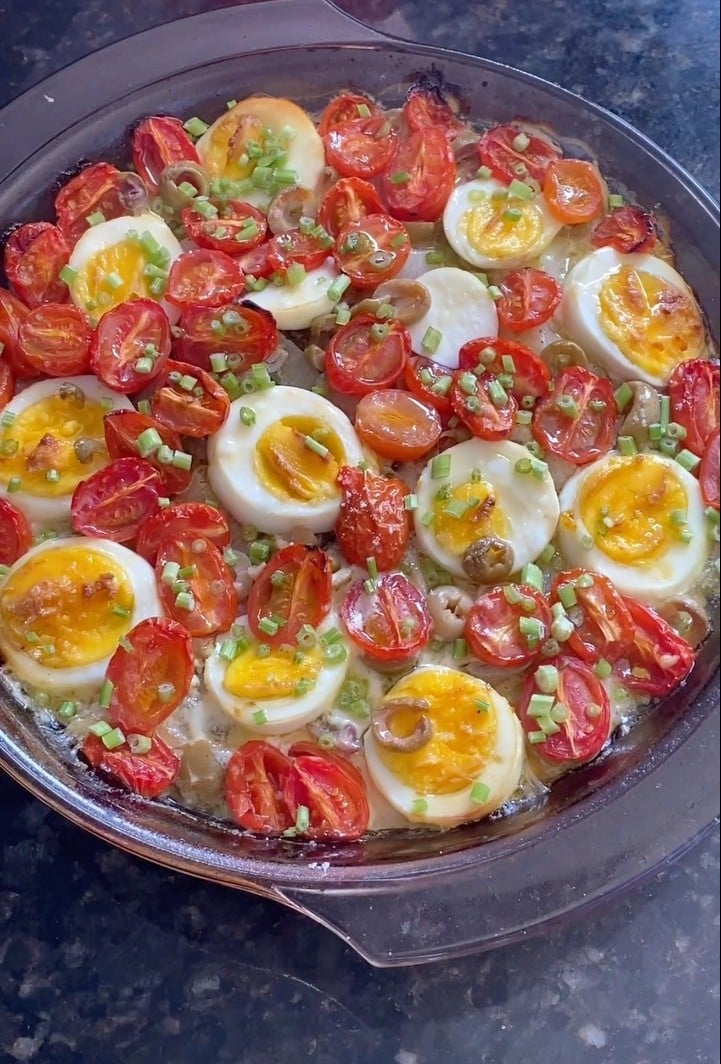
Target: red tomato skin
x,y
440,401
394,594
204,278
201,230
531,375
491,611
182,517
354,149
35,253
7,382
294,246
148,775
332,791
350,199
496,151
122,428
182,411
120,338
352,351
374,423
12,315
254,788
158,142
629,230
607,627
565,746
344,108
490,422
659,659
114,502
578,440
427,157
708,473
211,586
694,392
373,521
516,310
15,535
426,107
97,188
161,650
376,233
54,340
307,600
255,342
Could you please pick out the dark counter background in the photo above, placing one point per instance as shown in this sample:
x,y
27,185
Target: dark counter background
x,y
104,958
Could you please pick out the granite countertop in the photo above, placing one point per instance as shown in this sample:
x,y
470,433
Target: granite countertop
x,y
105,958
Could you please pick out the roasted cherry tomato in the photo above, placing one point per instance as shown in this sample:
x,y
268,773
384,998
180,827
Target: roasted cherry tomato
x,y
430,382
659,659
183,518
97,189
694,392
55,340
7,382
122,429
373,521
345,108
257,262
350,199
529,298
243,333
35,254
574,191
586,727
303,596
366,354
189,401
483,405
304,248
114,502
426,107
12,315
389,622
150,672
372,250
131,345
157,142
325,795
397,425
204,599
577,420
510,153
504,633
362,147
204,278
15,535
237,227
148,775
529,374
602,623
627,229
254,785
708,473
420,176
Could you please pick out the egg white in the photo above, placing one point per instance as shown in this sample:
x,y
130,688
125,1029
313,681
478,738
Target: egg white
x,y
295,306
461,310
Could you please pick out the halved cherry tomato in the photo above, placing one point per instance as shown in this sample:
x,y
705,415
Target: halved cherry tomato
x,y
659,659
506,162
586,729
114,502
97,189
55,340
136,332
397,425
345,108
429,381
254,784
192,518
603,625
389,623
694,392
35,254
574,191
189,401
157,142
627,229
372,250
243,333
531,376
209,600
366,354
426,107
7,382
529,298
257,262
294,246
487,417
122,429
204,278
493,627
331,789
708,473
302,597
420,176
586,433
362,147
373,521
350,199
12,314
238,227
148,775
150,672
15,534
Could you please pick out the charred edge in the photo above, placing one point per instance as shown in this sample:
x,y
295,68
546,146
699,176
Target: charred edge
x,y
433,81
64,176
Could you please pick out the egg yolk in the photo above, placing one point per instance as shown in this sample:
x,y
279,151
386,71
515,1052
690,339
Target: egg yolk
x,y
111,276
234,146
66,607
39,448
653,324
278,675
298,460
463,715
502,228
634,507
465,513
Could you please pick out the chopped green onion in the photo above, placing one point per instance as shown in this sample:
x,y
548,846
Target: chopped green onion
x,y
531,629
546,554
67,275
614,200
195,126
120,611
410,502
562,629
627,446
512,214
186,382
427,519
593,712
316,447
540,705
497,393
520,142
603,669
431,340
441,467
166,692
532,576
363,110
337,288
676,431
435,258
277,579
228,650
523,466
480,793
259,551
419,806
140,744
144,365
511,594
467,383
260,376
14,484
260,717
539,469
106,694
379,332
148,441
665,412
95,218
536,737
483,172
546,677
184,600
67,710
247,416
182,460
295,274
623,396
100,728
548,725
567,406
335,653
460,648
688,460
567,595
402,177
457,508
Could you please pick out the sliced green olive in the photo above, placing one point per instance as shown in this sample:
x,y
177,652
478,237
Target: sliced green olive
x,y
382,725
488,560
182,173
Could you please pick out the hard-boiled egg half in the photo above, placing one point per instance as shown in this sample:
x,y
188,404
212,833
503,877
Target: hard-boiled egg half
x,y
65,605
125,258
633,314
472,762
478,489
274,691
275,461
461,309
639,520
51,438
295,305
494,226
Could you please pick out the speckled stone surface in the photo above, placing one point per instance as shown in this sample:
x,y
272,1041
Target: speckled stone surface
x,y
104,958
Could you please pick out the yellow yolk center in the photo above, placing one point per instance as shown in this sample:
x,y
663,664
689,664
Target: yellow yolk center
x,y
275,676
464,514
113,275
634,507
463,715
654,324
45,459
66,607
233,138
298,460
502,228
